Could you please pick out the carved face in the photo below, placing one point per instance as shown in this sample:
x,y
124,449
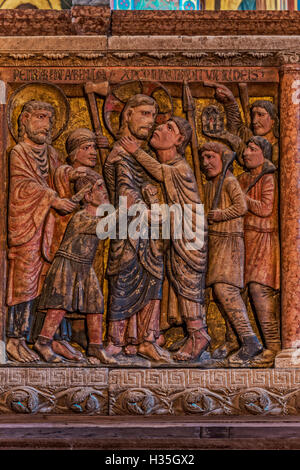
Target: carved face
x,y
98,195
140,121
166,136
211,163
38,125
253,156
261,121
86,155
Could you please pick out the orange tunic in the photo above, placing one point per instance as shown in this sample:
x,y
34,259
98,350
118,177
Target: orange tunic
x,y
30,222
261,230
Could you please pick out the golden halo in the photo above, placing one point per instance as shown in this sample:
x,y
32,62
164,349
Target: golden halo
x,y
120,94
39,91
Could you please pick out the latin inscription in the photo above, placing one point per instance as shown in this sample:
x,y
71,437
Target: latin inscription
x,y
155,74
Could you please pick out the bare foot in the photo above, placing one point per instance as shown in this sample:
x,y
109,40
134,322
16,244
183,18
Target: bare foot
x,y
130,350
63,348
112,350
150,351
93,360
12,349
98,351
192,348
45,350
26,351
19,351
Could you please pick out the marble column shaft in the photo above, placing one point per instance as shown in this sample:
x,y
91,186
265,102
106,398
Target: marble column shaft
x,y
290,204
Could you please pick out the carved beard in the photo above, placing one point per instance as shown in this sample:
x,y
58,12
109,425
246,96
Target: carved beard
x,y
135,132
36,136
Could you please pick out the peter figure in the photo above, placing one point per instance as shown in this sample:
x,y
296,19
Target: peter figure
x,y
32,198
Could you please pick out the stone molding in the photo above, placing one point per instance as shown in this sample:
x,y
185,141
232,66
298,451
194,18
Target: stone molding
x,y
113,52
103,391
91,20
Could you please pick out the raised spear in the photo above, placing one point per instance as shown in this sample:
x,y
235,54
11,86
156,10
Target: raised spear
x,y
189,108
102,89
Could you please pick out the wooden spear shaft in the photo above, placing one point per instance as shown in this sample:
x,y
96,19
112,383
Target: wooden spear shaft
x,y
189,109
96,124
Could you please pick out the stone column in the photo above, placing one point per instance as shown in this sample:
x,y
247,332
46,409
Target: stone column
x,y
3,217
290,215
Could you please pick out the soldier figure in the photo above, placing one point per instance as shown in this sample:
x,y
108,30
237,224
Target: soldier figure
x,y
226,251
262,269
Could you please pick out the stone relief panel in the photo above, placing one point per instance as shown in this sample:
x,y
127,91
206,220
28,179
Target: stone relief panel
x,y
90,281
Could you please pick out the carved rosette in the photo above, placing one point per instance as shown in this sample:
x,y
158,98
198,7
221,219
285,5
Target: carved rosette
x,y
205,402
29,400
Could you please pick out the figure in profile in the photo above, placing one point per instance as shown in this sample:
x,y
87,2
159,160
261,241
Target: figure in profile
x,y
186,262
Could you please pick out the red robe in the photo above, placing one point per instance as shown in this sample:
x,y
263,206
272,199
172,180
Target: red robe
x,y
30,222
261,231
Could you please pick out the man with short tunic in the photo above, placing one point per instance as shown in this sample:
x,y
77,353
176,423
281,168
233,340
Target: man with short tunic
x,y
262,266
225,273
186,261
32,198
82,158
71,284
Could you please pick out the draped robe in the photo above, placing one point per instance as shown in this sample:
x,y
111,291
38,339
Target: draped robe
x,y
30,221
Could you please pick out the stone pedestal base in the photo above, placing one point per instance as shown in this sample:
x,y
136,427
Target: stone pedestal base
x,y
288,358
161,391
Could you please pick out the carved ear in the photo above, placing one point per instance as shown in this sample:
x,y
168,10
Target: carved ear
x,y
180,139
24,116
127,114
88,195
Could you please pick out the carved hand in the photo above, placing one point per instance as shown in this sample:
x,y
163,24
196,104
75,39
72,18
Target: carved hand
x,y
78,173
114,155
215,215
65,206
129,144
150,195
223,94
101,141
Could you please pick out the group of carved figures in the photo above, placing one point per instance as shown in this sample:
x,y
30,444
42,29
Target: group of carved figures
x,y
52,240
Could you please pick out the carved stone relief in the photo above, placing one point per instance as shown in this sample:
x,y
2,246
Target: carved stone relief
x,y
103,312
